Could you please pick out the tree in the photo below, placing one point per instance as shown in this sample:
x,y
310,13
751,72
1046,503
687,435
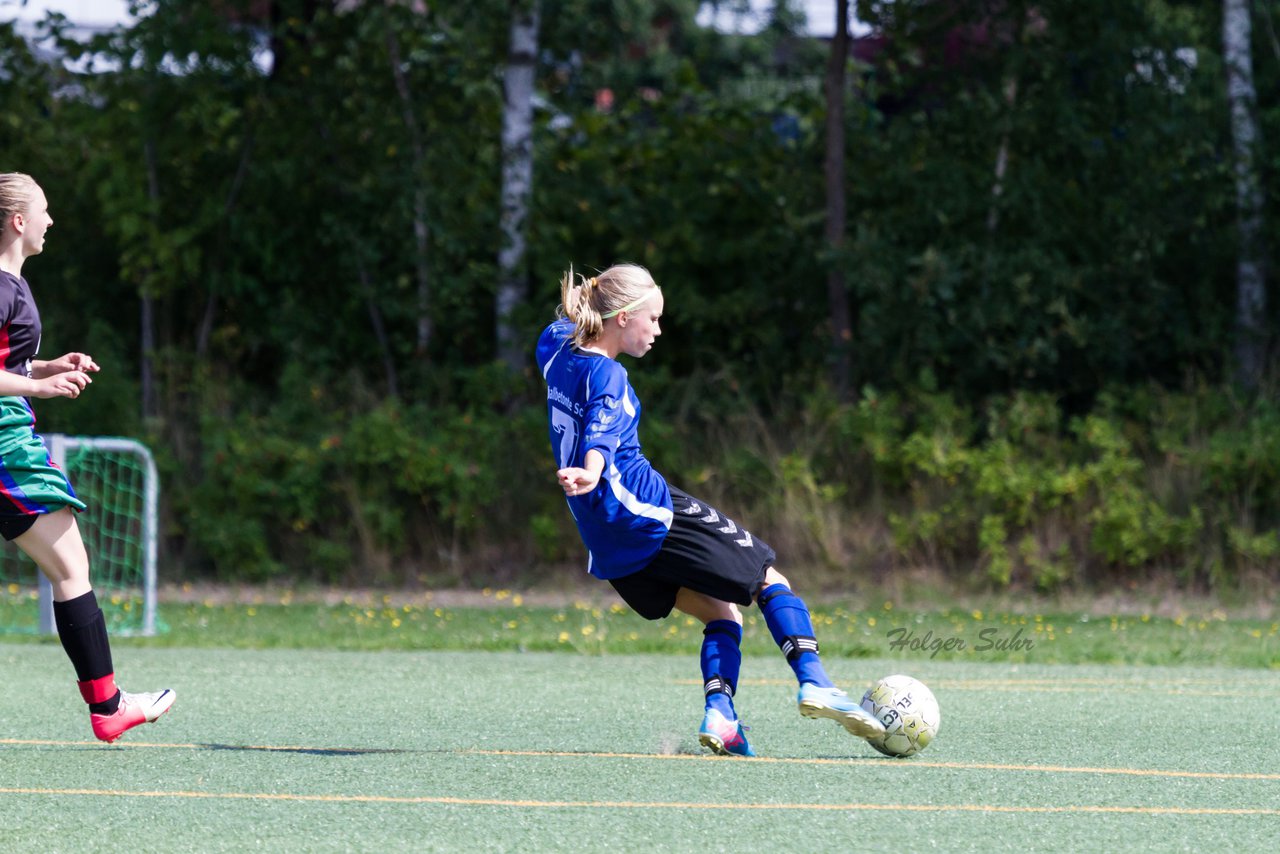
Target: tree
x,y
517,177
421,226
1251,296
837,291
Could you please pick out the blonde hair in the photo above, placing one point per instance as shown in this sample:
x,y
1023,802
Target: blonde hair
x,y
588,302
16,192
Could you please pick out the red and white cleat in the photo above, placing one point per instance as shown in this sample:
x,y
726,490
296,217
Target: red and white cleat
x,y
134,709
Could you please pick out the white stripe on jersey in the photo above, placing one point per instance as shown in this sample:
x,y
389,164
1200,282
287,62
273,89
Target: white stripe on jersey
x,y
547,366
629,500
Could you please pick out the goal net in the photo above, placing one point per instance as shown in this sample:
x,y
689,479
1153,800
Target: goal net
x,y
117,479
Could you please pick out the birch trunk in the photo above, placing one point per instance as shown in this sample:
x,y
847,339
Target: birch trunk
x,y
1002,158
517,179
1251,295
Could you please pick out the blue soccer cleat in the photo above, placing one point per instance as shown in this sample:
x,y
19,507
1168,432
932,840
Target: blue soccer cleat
x,y
723,736
833,703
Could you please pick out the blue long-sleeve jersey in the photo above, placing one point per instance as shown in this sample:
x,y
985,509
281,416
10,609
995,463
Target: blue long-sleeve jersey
x,y
592,406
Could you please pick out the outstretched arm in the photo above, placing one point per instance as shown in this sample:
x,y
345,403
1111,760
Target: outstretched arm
x,y
580,481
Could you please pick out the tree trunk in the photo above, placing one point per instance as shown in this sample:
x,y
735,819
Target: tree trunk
x,y
517,179
379,329
1002,157
205,330
150,400
837,291
421,228
1251,294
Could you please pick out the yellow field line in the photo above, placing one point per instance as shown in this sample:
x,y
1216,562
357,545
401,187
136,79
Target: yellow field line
x,y
904,764
1043,686
977,684
661,805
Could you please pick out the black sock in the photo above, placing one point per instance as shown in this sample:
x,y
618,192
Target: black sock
x,y
83,632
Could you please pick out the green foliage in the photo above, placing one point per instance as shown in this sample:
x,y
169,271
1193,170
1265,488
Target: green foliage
x,y
1039,500
1014,495
1092,255
316,242
340,491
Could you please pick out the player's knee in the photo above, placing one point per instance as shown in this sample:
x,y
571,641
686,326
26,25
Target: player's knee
x,y
718,610
772,577
706,609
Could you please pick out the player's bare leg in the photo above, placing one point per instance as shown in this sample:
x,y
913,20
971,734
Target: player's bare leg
x,y
54,543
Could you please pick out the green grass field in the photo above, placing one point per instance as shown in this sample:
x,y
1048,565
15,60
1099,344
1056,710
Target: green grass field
x,y
278,745
987,631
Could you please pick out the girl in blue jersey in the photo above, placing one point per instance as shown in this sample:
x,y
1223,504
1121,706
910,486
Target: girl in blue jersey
x,y
36,500
659,547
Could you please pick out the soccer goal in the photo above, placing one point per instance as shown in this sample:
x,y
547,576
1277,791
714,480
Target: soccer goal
x,y
117,479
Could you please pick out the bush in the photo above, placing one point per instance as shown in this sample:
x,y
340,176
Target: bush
x,y
1012,493
387,494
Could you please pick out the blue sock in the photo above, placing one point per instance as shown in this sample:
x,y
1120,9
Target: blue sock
x,y
721,660
788,619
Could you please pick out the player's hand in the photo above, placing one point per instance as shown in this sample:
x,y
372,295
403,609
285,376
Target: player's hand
x,y
66,384
72,362
577,481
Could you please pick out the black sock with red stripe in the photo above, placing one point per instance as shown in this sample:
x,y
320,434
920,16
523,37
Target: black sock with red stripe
x,y
83,632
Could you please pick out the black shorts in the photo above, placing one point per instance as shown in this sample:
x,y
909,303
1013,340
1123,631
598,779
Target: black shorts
x,y
706,552
12,527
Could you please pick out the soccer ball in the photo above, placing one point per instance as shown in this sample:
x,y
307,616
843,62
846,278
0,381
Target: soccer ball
x,y
908,711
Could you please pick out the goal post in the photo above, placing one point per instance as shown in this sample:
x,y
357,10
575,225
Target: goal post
x,y
117,480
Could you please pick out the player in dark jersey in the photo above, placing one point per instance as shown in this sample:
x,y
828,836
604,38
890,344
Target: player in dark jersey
x,y
36,499
659,547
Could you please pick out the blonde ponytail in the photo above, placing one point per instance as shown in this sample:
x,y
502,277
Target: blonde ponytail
x,y
588,302
575,305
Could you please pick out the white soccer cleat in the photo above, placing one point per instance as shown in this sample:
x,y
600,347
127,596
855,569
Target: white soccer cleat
x,y
835,704
135,709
